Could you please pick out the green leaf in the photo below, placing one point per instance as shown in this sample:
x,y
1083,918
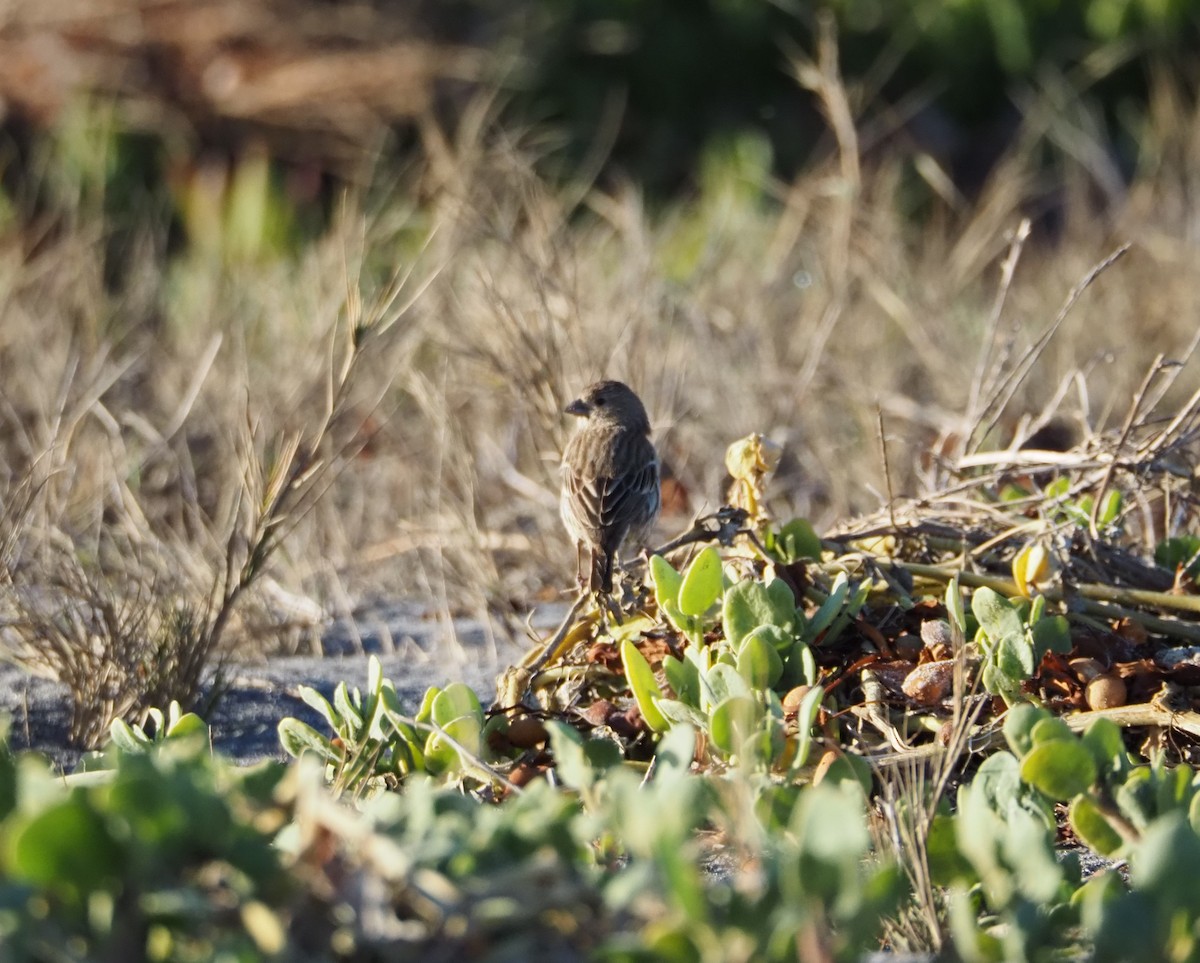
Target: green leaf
x,y
850,769
683,677
578,761
946,861
1051,635
1051,729
645,688
1014,657
998,782
1018,726
819,810
348,709
457,701
67,844
188,724
1090,825
1110,508
1103,739
1166,858
311,697
677,749
126,738
797,540
954,606
997,615
734,721
1182,550
702,584
779,639
297,738
824,616
457,711
806,717
667,582
676,712
372,705
721,682
1059,769
1059,488
854,603
750,604
801,663
783,604
408,749
425,713
758,662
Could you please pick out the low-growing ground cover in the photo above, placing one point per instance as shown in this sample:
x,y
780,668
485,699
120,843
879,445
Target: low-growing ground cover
x,y
962,728
814,733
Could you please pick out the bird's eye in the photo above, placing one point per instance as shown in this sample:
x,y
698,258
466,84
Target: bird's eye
x,y
599,402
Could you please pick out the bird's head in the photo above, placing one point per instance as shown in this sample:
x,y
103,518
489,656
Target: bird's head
x,y
612,402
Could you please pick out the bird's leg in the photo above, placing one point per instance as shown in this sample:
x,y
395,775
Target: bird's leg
x,y
609,606
580,579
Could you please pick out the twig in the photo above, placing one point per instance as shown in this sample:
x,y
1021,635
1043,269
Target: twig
x,y
1126,428
1107,600
1012,382
1007,270
723,525
550,649
887,468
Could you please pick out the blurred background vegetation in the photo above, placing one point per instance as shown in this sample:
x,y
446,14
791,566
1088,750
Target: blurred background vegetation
x,y
644,89
203,201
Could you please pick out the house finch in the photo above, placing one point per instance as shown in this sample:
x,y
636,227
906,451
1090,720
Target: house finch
x,y
610,478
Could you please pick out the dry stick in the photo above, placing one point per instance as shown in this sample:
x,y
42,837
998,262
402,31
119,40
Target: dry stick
x,y
1130,419
1174,369
1103,600
1162,439
1007,270
550,650
887,469
824,79
1012,382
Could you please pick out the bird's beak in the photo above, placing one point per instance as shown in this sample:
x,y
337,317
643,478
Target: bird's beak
x,y
579,408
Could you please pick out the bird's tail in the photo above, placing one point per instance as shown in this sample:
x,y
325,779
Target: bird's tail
x,y
601,578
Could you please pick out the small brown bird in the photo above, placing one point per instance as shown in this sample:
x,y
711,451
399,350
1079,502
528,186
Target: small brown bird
x,y
610,488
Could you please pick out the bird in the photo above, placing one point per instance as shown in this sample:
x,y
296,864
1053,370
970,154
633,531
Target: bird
x,y
610,480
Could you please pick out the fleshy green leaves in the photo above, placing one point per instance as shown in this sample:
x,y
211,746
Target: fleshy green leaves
x,y
1059,768
796,540
701,585
758,659
750,604
645,689
1014,636
373,738
1179,552
685,599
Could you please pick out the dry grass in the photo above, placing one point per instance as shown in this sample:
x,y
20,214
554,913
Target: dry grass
x,y
145,397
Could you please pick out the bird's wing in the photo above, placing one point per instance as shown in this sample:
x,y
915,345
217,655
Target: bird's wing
x,y
628,499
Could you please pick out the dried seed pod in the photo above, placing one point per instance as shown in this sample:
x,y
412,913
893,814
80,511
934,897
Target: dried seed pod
x,y
1132,631
930,683
791,701
936,632
1087,669
527,732
1105,692
908,647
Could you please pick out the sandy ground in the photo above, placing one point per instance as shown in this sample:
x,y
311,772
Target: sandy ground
x,y
416,653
